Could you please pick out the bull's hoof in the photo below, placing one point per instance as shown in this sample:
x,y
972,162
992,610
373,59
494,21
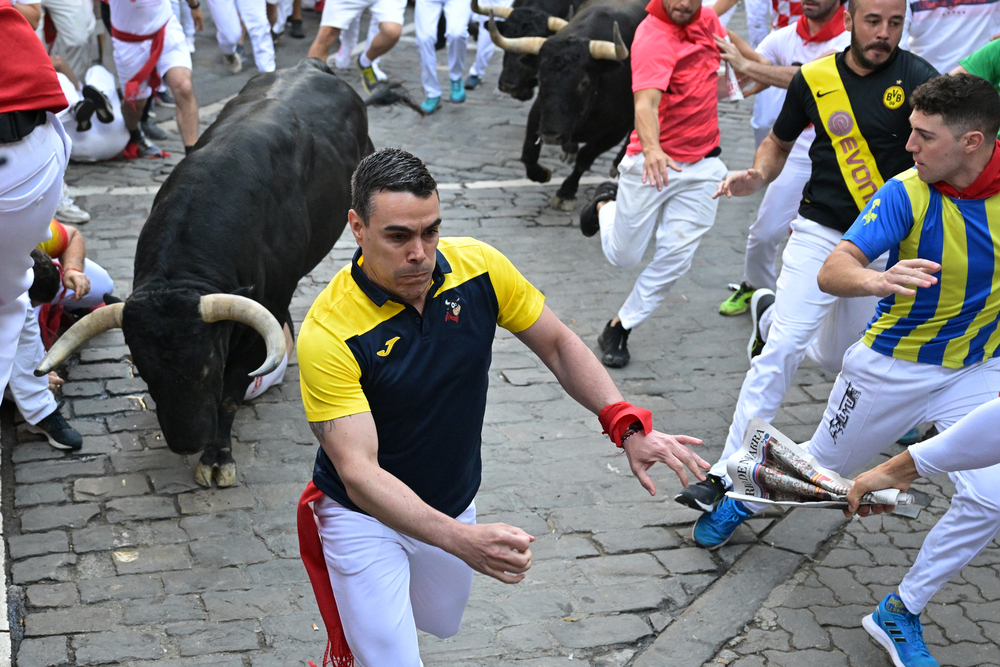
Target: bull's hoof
x,y
538,173
225,475
568,205
203,475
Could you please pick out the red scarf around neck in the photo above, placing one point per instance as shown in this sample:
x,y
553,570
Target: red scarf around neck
x,y
830,29
986,184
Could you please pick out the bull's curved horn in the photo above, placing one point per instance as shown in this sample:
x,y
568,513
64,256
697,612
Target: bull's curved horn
x,y
99,321
603,50
556,24
219,307
499,12
529,45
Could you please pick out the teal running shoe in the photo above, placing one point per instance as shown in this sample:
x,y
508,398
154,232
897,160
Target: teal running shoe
x,y
714,529
457,92
899,632
430,105
472,82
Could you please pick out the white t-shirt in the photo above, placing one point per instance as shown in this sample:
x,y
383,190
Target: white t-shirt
x,y
942,32
784,48
140,17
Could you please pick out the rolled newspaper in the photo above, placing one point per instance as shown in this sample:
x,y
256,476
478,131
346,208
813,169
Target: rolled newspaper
x,y
771,469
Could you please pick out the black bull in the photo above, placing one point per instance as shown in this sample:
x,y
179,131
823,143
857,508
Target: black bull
x,y
582,99
248,214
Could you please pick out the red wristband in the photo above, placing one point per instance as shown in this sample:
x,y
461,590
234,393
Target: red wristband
x,y
617,417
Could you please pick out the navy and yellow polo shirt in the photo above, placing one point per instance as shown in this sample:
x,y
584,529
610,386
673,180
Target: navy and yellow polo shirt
x,y
952,323
422,376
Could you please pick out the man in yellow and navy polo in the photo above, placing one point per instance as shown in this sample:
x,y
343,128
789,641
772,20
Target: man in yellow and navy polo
x,y
394,358
858,101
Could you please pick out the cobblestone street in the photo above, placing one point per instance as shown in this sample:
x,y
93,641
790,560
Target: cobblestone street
x,y
116,555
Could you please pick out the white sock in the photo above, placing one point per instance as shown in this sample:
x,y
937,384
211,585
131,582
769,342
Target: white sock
x,y
363,60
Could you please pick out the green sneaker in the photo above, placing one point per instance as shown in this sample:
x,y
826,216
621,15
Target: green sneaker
x,y
368,78
738,303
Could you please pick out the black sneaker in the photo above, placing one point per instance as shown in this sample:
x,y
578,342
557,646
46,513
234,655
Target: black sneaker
x,y
102,105
165,98
762,300
613,342
58,432
703,496
153,131
82,112
296,30
589,222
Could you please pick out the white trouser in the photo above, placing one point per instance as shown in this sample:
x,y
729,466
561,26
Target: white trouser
x,y
349,39
680,214
75,23
31,394
102,141
183,13
758,20
227,15
803,320
877,399
284,11
100,284
387,585
425,17
30,190
774,218
973,442
484,45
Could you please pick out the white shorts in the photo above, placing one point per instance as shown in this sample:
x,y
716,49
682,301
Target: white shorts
x,y
339,13
131,56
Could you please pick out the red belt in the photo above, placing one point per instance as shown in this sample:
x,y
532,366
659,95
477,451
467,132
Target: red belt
x,y
148,70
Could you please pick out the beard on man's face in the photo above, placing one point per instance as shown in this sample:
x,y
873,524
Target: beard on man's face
x,y
877,47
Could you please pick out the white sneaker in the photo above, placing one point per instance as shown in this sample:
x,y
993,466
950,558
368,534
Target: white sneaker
x,y
233,62
70,213
379,74
189,39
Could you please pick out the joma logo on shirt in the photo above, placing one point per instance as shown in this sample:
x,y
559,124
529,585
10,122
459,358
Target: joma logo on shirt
x,y
861,175
388,347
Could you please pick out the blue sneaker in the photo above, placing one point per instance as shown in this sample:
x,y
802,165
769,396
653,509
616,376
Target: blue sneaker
x,y
430,105
899,632
911,437
714,529
457,92
472,82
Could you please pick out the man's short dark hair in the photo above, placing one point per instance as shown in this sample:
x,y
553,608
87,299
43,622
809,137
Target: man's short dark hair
x,y
47,281
965,103
388,170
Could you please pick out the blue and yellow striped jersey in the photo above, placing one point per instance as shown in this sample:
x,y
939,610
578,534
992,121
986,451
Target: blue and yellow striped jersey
x,y
954,322
423,376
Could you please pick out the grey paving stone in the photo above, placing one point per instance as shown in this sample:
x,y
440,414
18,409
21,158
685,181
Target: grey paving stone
x,y
639,539
619,597
201,580
46,471
688,560
34,544
599,631
43,652
26,495
159,612
140,509
258,603
806,633
121,587
105,647
807,658
54,567
53,595
71,620
220,500
49,517
152,559
203,638
91,488
231,551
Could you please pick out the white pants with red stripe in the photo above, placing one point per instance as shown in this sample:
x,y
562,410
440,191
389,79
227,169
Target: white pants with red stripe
x,y
31,185
484,45
388,585
227,15
803,321
877,399
774,218
680,215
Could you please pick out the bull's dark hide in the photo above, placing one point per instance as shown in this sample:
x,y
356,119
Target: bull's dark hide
x,y
529,18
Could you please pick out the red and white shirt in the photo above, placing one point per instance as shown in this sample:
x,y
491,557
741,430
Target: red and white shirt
x,y
682,61
944,31
785,11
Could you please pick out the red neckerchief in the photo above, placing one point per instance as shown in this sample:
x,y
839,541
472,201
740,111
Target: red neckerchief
x,y
148,70
689,32
338,653
986,184
830,29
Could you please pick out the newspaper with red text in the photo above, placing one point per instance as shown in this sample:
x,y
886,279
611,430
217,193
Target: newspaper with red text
x,y
769,468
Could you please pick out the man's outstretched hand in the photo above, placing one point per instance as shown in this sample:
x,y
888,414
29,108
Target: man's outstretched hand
x,y
495,549
645,450
740,184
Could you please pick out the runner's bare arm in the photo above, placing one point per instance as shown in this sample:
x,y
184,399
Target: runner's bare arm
x,y
844,273
647,126
585,379
496,549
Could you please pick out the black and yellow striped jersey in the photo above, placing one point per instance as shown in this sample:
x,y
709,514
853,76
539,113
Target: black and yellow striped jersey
x,y
862,126
423,376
